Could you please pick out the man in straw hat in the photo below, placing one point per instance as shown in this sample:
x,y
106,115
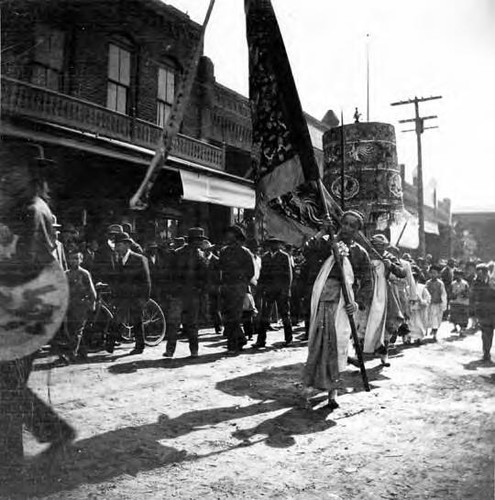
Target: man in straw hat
x,y
275,287
237,270
26,231
191,276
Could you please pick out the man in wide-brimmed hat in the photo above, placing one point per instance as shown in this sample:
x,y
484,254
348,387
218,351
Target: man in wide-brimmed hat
x,y
131,289
26,221
191,277
237,268
275,285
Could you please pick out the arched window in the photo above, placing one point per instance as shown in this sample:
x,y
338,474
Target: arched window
x,y
119,75
165,92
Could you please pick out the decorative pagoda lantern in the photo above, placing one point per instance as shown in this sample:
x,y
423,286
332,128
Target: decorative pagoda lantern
x,y
372,181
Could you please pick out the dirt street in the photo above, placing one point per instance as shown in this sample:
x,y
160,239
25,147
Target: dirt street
x,y
237,427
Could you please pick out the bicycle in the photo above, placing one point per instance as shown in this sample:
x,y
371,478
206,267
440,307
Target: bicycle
x,y
97,327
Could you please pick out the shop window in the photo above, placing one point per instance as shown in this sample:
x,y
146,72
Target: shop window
x,y
48,59
119,78
165,94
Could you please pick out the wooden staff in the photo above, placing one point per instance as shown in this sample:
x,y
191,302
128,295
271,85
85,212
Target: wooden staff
x,y
345,291
171,128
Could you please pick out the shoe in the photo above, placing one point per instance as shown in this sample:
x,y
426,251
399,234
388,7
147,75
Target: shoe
x,y
110,347
167,354
332,405
136,351
257,346
194,354
353,361
288,343
418,342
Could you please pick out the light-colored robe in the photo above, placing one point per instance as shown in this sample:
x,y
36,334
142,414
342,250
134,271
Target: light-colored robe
x,y
329,329
377,317
419,313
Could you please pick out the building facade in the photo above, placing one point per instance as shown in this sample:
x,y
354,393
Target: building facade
x,y
93,81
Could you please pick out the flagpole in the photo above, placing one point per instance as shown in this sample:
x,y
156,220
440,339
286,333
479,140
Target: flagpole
x,y
367,77
140,199
342,166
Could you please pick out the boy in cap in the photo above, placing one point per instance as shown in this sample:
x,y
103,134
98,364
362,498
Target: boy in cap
x,y
438,302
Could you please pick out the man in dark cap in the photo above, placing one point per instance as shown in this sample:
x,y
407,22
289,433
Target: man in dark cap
x,y
191,278
131,289
483,303
275,286
237,270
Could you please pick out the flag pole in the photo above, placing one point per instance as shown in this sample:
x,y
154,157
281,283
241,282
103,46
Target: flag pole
x,y
345,291
140,199
342,165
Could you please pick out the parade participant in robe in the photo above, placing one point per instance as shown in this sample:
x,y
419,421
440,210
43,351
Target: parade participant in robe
x,y
419,311
377,335
438,304
329,330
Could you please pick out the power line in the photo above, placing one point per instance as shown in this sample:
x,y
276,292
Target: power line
x,y
419,129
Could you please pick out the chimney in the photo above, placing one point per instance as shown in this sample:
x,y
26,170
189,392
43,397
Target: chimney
x,y
330,119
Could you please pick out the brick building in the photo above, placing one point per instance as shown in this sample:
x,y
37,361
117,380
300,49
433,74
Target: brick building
x,y
92,81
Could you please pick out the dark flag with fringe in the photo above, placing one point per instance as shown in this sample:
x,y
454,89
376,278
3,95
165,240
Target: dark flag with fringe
x,y
286,172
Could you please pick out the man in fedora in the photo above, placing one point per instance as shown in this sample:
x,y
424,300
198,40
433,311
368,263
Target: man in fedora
x,y
275,286
26,224
191,277
131,289
237,270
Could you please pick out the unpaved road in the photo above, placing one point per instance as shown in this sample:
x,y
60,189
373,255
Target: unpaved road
x,y
236,427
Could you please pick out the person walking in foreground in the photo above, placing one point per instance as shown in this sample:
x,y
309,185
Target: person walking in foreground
x,y
237,270
329,330
438,303
483,301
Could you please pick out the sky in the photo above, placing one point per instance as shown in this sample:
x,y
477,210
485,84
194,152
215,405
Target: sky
x,y
417,48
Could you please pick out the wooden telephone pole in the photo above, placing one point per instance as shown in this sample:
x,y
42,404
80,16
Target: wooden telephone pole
x,y
419,129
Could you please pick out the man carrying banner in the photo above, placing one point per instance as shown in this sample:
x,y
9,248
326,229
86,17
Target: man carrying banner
x,y
329,330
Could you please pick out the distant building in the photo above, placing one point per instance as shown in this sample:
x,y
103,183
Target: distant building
x,y
475,235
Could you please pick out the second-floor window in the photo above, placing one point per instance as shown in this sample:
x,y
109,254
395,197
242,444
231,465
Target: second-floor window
x,y
119,78
165,95
48,58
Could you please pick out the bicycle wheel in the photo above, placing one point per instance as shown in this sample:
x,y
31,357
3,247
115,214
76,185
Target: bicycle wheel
x,y
96,329
154,323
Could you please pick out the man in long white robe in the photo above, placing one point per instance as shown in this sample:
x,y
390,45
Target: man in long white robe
x,y
329,329
419,312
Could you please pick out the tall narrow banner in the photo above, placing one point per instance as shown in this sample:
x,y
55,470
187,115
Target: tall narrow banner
x,y
285,165
140,200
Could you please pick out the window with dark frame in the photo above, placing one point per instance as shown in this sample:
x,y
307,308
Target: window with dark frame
x,y
48,59
165,94
119,78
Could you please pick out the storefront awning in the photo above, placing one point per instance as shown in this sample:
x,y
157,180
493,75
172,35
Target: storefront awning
x,y
206,189
408,225
431,227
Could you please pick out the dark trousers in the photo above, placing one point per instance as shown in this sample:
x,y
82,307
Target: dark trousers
x,y
232,296
487,326
214,312
281,298
129,312
18,406
183,309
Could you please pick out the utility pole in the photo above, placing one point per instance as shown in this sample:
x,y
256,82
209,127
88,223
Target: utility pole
x,y
419,129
